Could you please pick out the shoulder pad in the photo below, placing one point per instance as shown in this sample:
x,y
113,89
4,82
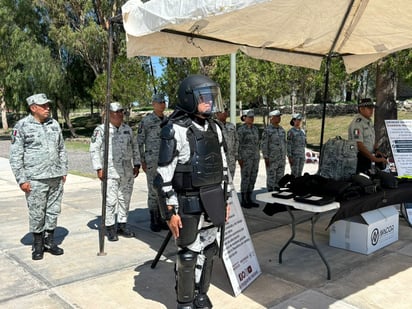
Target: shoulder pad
x,y
167,131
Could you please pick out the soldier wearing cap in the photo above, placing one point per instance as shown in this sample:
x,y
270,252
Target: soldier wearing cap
x,y
296,143
123,167
249,155
362,131
38,160
230,136
148,138
273,148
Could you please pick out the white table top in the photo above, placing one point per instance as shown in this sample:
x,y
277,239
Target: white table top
x,y
268,198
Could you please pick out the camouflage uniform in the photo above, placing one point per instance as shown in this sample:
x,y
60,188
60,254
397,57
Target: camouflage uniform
x,y
273,147
148,139
296,143
123,157
362,130
232,143
38,156
248,152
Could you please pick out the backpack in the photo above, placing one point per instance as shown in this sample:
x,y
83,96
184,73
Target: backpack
x,y
338,159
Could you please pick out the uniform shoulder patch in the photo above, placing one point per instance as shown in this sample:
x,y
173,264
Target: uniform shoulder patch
x,y
358,119
14,133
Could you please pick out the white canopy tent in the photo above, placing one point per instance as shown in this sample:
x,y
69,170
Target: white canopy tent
x,y
293,32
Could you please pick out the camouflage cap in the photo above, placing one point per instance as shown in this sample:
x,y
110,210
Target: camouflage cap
x,y
159,98
366,102
39,99
275,113
248,113
116,106
297,116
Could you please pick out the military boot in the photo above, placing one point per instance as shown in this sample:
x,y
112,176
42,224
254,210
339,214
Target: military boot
x,y
124,231
155,221
38,247
245,202
111,233
203,301
185,306
49,245
249,198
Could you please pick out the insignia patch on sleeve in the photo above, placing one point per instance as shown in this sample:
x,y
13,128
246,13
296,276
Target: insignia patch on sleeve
x,y
356,133
95,134
13,135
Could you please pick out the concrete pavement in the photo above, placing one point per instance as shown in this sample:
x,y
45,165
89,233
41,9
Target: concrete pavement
x,y
123,277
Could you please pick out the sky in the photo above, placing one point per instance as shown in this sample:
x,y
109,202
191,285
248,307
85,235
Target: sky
x,y
157,67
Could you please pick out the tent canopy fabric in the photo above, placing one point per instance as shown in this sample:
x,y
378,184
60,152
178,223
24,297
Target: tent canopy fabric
x,y
293,32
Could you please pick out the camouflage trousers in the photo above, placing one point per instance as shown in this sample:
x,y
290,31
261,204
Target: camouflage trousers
x,y
44,203
119,194
231,163
274,172
297,167
248,174
152,201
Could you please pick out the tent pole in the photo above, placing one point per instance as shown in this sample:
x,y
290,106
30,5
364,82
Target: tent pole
x,y
325,99
102,230
233,88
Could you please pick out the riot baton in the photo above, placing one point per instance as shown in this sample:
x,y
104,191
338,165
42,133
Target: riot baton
x,y
161,249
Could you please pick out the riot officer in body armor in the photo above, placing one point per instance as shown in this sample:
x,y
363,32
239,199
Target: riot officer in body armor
x,y
192,173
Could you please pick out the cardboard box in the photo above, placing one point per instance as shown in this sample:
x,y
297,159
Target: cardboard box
x,y
367,232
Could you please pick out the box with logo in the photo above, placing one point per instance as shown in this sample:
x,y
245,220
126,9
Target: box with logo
x,y
367,232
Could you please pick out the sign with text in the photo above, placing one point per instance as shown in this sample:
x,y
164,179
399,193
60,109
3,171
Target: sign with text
x,y
239,256
400,138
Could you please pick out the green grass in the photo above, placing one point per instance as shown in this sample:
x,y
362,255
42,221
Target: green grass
x,y
334,126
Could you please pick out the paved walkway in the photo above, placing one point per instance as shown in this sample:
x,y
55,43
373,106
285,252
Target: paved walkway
x,y
123,277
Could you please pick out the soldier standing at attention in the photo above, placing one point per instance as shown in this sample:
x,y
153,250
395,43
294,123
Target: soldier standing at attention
x,y
362,131
249,155
123,167
232,143
296,143
38,160
273,147
148,138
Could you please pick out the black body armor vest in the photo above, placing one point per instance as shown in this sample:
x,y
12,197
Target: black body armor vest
x,y
205,166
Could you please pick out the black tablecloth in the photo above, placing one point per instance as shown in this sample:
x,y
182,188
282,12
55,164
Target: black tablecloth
x,y
386,197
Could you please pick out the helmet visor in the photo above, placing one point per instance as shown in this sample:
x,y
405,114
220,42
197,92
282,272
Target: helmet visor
x,y
208,100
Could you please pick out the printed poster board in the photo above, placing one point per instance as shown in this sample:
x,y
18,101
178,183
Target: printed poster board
x,y
239,256
400,138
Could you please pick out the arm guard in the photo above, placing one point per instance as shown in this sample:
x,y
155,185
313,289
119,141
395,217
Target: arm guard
x,y
161,197
167,145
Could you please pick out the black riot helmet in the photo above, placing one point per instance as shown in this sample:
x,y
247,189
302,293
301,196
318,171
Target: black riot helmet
x,y
197,90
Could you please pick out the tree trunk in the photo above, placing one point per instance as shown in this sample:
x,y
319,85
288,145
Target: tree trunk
x,y
386,106
3,109
66,115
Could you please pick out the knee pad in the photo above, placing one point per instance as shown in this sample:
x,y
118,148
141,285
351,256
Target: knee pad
x,y
185,275
186,258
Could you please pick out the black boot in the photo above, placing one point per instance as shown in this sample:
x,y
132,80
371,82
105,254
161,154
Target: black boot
x,y
203,301
251,203
124,231
155,221
111,233
185,306
49,245
245,202
37,248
